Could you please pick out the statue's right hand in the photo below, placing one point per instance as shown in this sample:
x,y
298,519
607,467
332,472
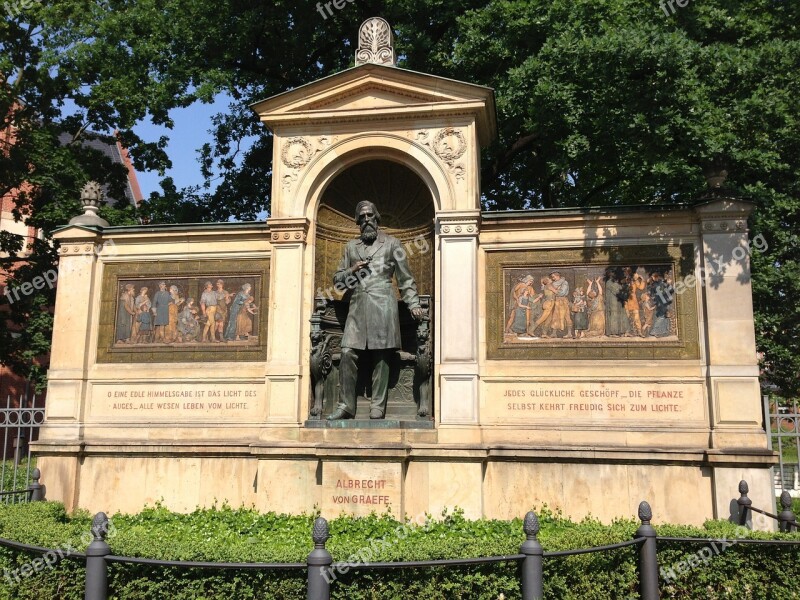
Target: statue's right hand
x,y
362,264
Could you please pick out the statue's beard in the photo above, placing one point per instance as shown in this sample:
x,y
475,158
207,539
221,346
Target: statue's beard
x,y
369,233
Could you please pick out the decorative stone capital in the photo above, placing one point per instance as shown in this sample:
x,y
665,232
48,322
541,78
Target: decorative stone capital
x,y
725,226
76,249
288,230
458,224
724,215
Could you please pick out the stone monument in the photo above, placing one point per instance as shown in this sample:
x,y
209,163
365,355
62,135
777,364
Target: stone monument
x,y
583,358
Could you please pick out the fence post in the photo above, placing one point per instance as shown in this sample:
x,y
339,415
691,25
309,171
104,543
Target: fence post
x,y
96,568
36,489
786,517
532,564
648,559
744,502
319,584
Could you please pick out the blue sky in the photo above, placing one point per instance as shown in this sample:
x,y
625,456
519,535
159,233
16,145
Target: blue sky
x,y
189,133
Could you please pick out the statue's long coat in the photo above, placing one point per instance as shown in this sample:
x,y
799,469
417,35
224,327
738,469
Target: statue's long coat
x,y
373,320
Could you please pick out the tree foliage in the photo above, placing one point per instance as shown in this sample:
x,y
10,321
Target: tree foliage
x,y
600,102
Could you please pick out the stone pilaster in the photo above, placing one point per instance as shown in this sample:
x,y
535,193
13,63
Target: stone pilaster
x,y
71,351
457,316
284,332
732,365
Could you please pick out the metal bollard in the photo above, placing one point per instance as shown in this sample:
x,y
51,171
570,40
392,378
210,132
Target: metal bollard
x,y
648,559
786,518
532,564
36,489
744,502
96,568
318,561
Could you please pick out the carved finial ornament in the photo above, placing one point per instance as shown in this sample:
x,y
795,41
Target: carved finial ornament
x,y
91,199
375,43
100,526
91,194
531,524
645,512
320,533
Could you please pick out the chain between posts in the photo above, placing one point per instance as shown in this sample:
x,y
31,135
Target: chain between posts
x,y
787,520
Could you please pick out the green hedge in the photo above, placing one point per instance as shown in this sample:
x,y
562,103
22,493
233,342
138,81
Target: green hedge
x,y
241,535
22,481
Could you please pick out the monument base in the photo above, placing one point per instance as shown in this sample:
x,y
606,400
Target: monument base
x,y
407,473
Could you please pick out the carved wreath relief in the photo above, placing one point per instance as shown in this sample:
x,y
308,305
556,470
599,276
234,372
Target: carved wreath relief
x,y
449,145
297,152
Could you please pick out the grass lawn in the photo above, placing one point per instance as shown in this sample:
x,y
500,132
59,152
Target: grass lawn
x,y
789,447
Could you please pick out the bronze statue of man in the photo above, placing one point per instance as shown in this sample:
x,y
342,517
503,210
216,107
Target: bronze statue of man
x,y
373,322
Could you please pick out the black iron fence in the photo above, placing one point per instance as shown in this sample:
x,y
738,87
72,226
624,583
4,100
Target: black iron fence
x,y
783,426
19,421
787,521
319,565
33,493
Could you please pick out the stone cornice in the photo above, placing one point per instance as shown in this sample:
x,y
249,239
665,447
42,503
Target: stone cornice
x,y
311,450
416,113
77,248
458,223
724,215
288,230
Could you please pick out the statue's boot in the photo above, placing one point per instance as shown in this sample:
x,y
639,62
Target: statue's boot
x,y
339,414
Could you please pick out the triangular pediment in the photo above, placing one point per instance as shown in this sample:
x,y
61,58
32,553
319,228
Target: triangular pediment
x,y
370,90
374,95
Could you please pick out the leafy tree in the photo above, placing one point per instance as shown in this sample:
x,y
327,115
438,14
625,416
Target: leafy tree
x,y
43,162
600,102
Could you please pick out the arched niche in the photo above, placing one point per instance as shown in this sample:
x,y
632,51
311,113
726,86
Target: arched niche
x,y
407,212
